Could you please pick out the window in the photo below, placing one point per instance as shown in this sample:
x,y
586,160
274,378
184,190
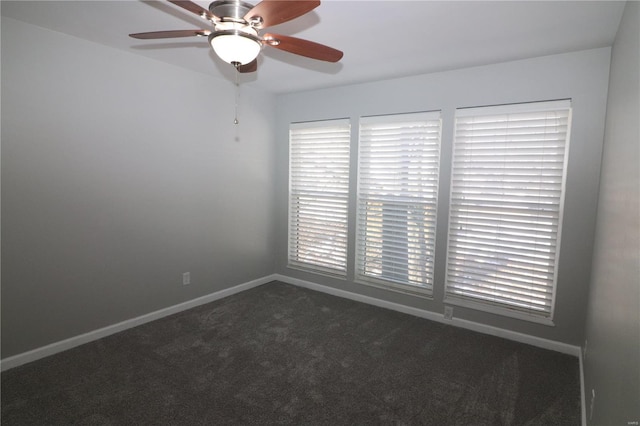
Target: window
x,y
318,195
507,193
397,193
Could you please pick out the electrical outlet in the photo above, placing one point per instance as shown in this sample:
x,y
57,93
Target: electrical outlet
x,y
448,312
186,278
593,400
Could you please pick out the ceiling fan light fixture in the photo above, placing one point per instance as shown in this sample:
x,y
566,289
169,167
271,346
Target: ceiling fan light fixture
x,y
235,37
235,46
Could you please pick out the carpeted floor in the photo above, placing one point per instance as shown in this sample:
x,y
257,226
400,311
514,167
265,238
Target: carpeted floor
x,y
279,354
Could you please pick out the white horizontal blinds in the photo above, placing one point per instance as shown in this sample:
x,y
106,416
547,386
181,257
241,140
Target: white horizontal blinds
x,y
506,202
397,192
318,195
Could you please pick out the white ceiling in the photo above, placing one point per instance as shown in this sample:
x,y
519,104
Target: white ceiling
x,y
380,39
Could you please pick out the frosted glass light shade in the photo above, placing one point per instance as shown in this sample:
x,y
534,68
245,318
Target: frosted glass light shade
x,y
235,46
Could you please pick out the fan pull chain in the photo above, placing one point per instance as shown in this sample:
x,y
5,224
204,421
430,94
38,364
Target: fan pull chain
x,y
235,119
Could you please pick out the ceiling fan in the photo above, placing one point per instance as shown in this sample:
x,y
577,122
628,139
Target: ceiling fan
x,y
236,37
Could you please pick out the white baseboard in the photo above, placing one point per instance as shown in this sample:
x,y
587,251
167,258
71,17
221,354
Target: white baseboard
x,y
72,342
470,325
583,399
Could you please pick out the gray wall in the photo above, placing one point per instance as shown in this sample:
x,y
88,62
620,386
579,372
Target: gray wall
x,y
118,174
581,76
612,361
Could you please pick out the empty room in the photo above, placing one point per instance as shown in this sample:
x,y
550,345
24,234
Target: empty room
x,y
320,213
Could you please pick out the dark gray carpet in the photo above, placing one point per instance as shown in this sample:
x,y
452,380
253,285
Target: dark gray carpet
x,y
280,354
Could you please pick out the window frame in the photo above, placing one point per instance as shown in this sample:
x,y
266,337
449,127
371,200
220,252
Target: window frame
x,y
360,276
495,308
293,230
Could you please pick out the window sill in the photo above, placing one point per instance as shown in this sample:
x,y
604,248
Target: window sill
x,y
398,288
318,271
479,306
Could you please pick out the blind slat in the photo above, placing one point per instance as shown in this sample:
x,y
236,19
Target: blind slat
x,y
318,195
506,202
397,190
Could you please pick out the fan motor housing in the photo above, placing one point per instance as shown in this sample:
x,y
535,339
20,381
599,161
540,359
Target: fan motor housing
x,y
230,9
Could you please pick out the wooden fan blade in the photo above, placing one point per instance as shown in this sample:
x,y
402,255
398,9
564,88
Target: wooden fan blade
x,y
250,67
302,47
171,34
194,8
274,12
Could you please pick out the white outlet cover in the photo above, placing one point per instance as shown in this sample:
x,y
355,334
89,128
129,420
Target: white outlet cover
x,y
448,312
